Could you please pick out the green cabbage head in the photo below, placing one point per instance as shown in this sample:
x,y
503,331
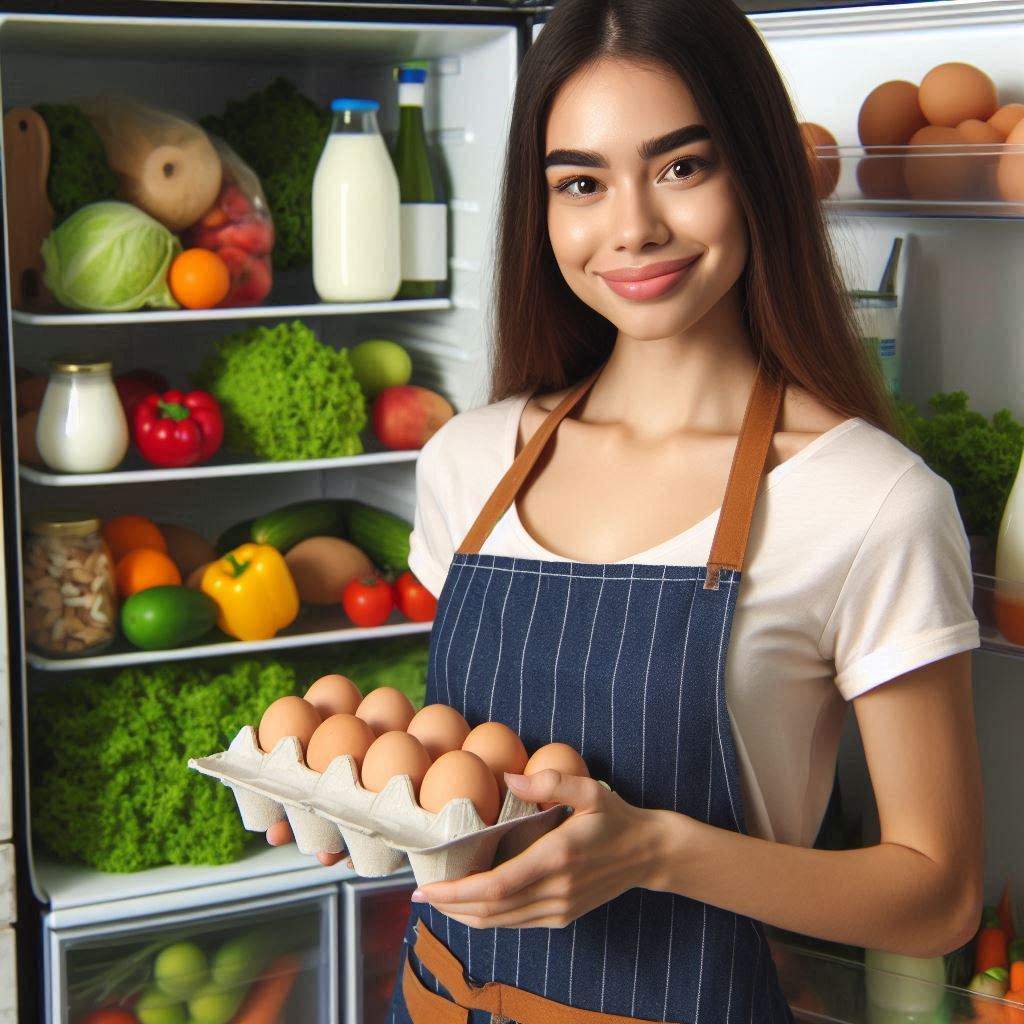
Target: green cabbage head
x,y
109,257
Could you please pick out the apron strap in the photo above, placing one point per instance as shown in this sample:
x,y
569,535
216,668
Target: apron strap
x,y
737,513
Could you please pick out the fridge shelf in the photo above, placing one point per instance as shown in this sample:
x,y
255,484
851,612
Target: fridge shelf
x,y
314,626
999,606
973,181
137,471
151,316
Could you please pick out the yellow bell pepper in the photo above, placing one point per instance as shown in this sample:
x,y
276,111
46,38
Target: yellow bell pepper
x,y
254,590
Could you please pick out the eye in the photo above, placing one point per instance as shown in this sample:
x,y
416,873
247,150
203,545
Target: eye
x,y
578,187
686,168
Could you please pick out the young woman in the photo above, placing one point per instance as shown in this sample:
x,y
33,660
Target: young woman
x,y
681,539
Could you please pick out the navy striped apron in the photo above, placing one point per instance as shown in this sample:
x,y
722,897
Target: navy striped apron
x,y
625,662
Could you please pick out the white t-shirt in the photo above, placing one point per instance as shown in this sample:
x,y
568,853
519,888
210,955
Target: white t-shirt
x,y
857,571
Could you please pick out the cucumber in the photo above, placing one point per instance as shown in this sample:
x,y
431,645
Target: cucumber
x,y
163,617
382,535
285,527
240,533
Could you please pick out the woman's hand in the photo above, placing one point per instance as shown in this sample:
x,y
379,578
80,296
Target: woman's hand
x,y
606,847
281,832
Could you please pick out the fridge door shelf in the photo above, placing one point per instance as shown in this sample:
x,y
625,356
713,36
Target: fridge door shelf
x,y
137,471
999,606
314,626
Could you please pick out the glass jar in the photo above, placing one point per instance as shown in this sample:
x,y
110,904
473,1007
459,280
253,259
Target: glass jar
x,y
70,600
82,427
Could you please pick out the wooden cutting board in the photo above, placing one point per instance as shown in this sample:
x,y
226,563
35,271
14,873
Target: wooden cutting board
x,y
29,214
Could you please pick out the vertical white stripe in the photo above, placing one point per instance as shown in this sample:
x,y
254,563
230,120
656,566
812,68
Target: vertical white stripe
x,y
494,954
547,964
643,703
440,628
455,627
700,969
757,972
720,681
526,644
668,956
679,709
586,664
476,636
554,680
501,641
572,960
615,671
469,951
732,966
519,951
604,962
636,961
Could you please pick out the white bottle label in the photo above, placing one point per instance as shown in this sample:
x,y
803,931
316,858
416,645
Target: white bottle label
x,y
424,241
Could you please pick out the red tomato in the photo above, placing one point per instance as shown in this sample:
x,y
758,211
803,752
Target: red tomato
x,y
368,602
414,600
109,1015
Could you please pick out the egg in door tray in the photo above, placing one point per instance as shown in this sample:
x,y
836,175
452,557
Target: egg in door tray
x,y
373,776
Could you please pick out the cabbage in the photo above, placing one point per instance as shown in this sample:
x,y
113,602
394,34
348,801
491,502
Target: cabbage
x,y
110,257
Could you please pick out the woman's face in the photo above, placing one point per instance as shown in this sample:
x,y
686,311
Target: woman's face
x,y
643,219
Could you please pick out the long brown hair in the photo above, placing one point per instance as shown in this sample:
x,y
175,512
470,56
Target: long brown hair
x,y
796,308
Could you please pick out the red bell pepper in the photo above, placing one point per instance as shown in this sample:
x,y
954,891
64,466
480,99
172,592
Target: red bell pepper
x,y
177,428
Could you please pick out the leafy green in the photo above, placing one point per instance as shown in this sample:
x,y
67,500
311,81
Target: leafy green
x,y
284,394
79,174
978,458
110,257
110,782
280,134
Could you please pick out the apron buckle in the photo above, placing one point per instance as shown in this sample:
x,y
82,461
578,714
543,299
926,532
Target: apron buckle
x,y
711,581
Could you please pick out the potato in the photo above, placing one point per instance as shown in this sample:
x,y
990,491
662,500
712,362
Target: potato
x,y
187,549
323,566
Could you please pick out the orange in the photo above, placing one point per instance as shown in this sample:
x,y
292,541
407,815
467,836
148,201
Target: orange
x,y
125,533
144,568
198,278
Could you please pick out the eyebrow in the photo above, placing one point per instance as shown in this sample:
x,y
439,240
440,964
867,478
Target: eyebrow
x,y
648,150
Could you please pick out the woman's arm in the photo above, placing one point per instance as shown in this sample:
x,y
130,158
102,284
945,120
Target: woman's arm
x,y
917,892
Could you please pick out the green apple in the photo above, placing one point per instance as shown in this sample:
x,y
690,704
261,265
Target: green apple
x,y
379,364
239,960
180,969
156,1007
215,1005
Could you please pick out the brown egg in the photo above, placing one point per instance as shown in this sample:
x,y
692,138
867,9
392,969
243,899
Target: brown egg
x,y
940,170
439,728
336,736
334,695
391,754
980,132
954,92
1010,170
880,175
288,716
559,756
386,710
890,114
500,749
823,156
461,774
1007,117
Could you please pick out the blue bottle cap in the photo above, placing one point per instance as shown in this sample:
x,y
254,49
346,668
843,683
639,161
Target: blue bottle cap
x,y
347,104
415,75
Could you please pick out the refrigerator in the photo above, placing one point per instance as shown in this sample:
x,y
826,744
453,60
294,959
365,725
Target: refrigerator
x,y
959,319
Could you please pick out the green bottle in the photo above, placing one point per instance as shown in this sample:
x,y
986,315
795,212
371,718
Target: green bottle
x,y
424,214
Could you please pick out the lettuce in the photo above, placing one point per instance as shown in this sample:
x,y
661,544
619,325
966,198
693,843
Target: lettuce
x,y
110,257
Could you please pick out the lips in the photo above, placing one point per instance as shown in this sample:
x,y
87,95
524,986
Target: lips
x,y
649,281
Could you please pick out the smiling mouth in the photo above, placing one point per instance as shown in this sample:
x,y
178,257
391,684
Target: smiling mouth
x,y
657,279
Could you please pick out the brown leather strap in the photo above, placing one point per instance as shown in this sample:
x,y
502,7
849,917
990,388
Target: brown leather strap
x,y
509,485
494,997
756,433
426,1007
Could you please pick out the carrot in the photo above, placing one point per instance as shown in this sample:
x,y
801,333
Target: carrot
x,y
1006,913
1017,975
1013,1012
990,950
267,995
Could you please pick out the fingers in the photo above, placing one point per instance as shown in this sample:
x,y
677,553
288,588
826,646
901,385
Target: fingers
x,y
280,833
553,787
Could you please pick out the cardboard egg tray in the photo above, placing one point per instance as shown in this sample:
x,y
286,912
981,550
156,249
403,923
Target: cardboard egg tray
x,y
330,812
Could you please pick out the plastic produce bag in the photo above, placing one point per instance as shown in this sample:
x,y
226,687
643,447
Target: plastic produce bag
x,y
238,227
165,164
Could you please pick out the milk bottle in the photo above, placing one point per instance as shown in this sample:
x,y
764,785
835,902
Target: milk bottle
x,y
357,254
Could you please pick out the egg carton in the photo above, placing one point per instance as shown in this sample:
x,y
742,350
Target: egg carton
x,y
330,812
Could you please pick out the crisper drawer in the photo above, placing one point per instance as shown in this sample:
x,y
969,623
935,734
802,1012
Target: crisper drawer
x,y
267,960
8,978
376,913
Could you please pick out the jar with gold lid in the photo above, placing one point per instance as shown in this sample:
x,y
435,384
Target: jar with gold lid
x,y
82,427
70,596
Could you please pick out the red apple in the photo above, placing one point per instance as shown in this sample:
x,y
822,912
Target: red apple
x,y
250,277
406,416
255,236
234,203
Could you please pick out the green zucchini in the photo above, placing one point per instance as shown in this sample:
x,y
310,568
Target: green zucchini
x,y
160,618
285,527
233,536
381,534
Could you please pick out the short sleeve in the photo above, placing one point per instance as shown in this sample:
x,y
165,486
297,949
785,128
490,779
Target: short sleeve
x,y
907,598
430,545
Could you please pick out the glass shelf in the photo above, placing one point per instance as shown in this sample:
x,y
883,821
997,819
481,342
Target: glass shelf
x,y
314,625
970,181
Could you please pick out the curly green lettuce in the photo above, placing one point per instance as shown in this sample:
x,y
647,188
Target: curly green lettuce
x,y
284,394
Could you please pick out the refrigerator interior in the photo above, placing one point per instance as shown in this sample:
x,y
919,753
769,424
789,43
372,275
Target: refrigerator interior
x,y
960,314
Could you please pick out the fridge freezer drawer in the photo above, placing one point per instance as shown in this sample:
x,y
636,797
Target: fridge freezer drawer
x,y
279,955
376,913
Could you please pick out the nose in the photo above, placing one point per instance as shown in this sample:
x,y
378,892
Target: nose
x,y
637,220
